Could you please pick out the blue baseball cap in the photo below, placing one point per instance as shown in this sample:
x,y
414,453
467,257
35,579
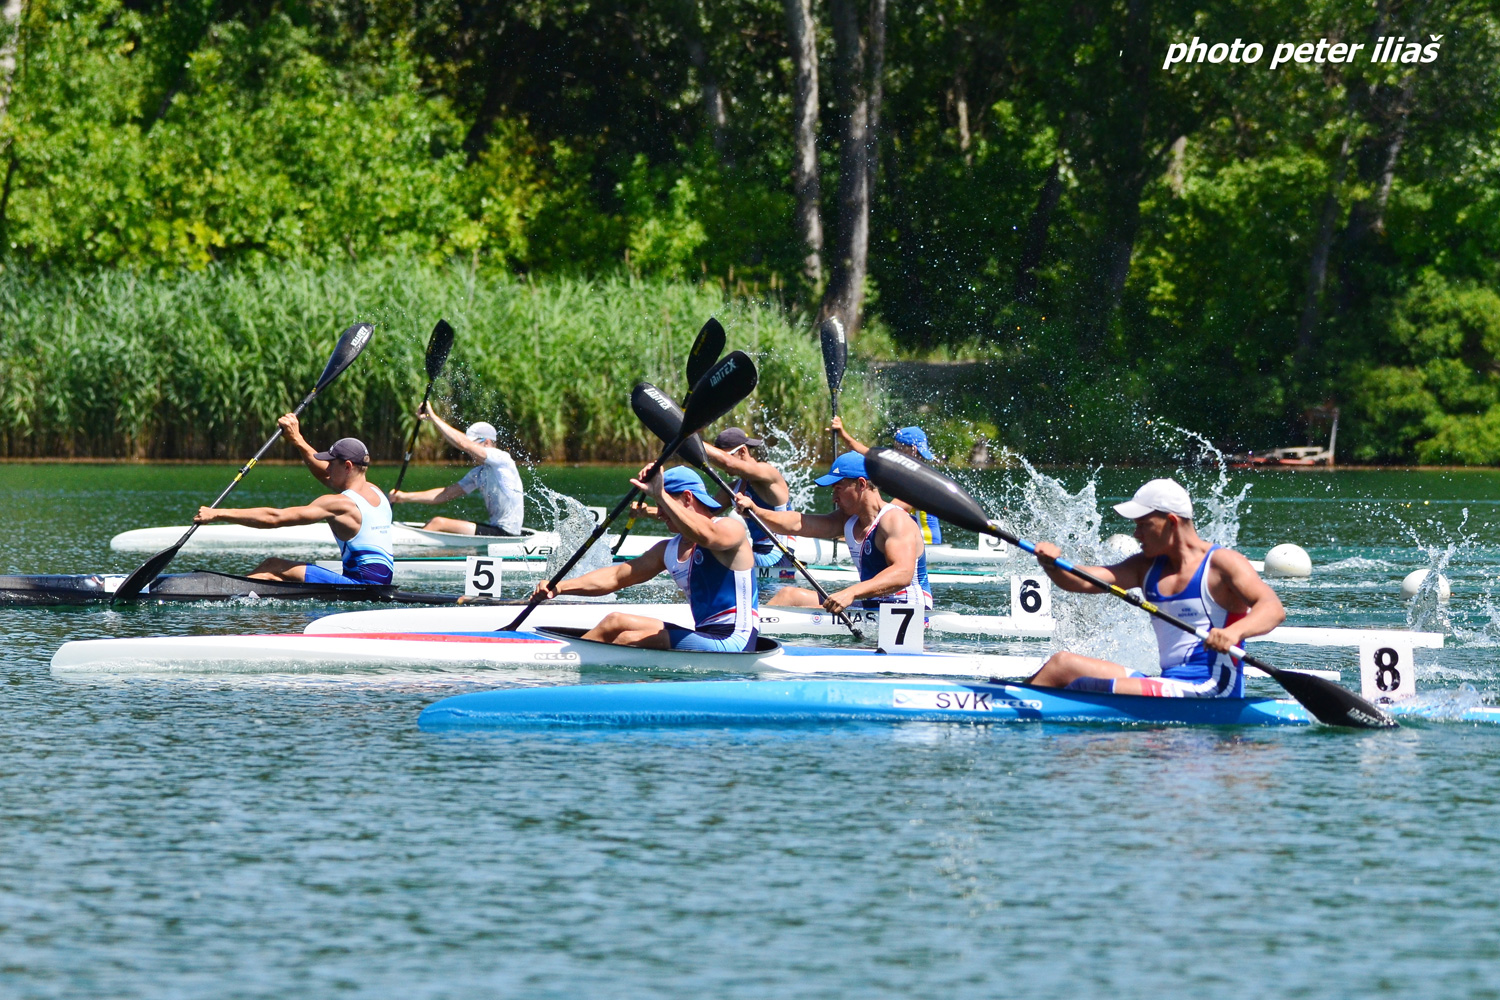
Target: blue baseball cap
x,y
915,437
849,465
681,479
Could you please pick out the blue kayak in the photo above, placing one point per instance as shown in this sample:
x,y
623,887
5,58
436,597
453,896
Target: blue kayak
x,y
797,701
726,702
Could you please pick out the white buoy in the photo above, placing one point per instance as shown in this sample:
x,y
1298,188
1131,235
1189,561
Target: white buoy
x,y
1287,559
1120,547
1417,577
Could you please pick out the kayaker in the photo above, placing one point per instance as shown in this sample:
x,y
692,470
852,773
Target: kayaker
x,y
358,513
494,475
1203,584
710,560
888,551
910,441
733,452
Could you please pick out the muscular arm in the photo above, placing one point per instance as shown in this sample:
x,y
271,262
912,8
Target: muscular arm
x,y
764,476
438,494
1236,576
1125,574
901,541
793,522
608,579
291,428
723,535
337,509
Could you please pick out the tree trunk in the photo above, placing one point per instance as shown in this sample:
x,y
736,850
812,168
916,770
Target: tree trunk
x,y
11,44
1317,265
802,40
858,53
1037,227
713,97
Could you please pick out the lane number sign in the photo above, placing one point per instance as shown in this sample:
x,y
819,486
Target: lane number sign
x,y
900,628
481,577
1387,672
1030,597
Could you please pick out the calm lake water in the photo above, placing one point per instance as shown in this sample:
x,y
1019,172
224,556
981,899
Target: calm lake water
x,y
299,837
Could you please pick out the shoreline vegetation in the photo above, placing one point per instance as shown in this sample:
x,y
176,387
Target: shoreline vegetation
x,y
198,365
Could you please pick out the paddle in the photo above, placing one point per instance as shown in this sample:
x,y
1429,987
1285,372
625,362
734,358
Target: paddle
x,y
351,342
707,347
720,390
438,346
930,490
835,356
657,411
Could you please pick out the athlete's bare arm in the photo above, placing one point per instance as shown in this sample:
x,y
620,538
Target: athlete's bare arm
x,y
901,541
763,476
1127,574
453,435
608,579
794,522
291,429
837,424
1234,583
338,510
436,495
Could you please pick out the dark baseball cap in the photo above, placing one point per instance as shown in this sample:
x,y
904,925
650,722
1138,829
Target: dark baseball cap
x,y
731,438
346,450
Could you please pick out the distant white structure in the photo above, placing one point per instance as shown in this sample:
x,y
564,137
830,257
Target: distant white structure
x,y
1417,577
1287,559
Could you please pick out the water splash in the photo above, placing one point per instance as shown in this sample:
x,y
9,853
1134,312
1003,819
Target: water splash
x,y
573,522
1206,476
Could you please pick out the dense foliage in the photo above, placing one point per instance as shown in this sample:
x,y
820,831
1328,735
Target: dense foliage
x,y
1225,245
200,364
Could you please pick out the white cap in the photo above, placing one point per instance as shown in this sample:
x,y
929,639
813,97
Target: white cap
x,y
1164,496
481,431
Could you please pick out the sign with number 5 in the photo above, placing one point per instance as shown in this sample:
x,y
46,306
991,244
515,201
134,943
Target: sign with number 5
x,y
1386,672
481,577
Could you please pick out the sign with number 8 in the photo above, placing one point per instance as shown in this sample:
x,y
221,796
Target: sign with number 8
x,y
1387,672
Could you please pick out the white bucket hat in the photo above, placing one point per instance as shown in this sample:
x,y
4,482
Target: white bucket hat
x,y
1165,496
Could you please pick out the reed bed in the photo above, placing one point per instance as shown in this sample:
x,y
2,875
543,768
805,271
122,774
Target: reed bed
x,y
198,365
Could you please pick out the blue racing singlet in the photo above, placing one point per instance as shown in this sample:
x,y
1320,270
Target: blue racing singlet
x,y
367,556
870,562
766,552
720,598
932,528
1184,657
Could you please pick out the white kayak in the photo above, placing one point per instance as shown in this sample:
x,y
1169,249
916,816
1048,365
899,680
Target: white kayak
x,y
451,569
559,649
317,539
773,620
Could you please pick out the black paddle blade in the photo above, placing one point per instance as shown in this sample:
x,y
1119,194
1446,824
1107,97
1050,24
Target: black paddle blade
x,y
149,570
925,488
351,342
438,346
835,352
706,350
1329,703
720,390
663,418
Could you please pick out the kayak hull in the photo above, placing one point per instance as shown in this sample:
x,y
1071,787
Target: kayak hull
x,y
96,588
773,620
783,702
317,539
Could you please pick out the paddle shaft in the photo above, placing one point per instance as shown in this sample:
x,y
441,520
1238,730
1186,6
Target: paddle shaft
x,y
244,469
411,442
834,397
594,536
801,567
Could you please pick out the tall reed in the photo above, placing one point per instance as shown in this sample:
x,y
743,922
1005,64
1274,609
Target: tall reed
x,y
200,364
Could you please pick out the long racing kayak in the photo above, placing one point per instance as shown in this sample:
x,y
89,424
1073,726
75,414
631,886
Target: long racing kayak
x,y
773,620
781,702
96,588
379,651
317,539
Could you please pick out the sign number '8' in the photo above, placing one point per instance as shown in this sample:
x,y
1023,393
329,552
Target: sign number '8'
x,y
1387,676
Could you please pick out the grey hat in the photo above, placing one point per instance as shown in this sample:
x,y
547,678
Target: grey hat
x,y
346,450
731,438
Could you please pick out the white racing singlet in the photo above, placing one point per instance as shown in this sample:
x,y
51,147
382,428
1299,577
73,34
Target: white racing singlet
x,y
1189,669
367,556
870,562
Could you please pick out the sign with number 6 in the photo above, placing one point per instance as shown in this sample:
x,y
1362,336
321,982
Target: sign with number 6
x,y
1030,597
1386,672
481,577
